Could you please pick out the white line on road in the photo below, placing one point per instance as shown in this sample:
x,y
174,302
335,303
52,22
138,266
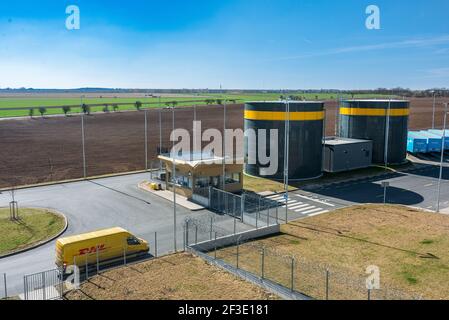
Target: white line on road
x,y
317,213
312,210
314,200
306,208
296,206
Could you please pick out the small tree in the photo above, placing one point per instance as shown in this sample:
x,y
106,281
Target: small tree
x,y
115,107
138,105
106,108
31,112
219,101
42,111
66,110
174,103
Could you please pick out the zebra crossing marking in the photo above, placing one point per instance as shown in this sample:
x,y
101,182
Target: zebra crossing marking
x,y
318,213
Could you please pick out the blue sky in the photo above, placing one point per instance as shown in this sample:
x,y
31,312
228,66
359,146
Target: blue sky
x,y
248,44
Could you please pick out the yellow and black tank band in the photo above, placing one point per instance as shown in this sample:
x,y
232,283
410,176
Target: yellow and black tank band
x,y
283,116
402,112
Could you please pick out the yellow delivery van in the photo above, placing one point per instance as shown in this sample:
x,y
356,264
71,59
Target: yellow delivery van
x,y
111,244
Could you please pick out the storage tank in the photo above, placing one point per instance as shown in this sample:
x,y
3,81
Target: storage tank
x,y
367,119
305,136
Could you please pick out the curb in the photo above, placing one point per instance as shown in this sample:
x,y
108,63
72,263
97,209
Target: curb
x,y
55,183
43,242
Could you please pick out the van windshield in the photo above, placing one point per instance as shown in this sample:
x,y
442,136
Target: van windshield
x,y
133,241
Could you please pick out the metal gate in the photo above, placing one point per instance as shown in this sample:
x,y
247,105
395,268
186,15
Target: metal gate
x,y
47,285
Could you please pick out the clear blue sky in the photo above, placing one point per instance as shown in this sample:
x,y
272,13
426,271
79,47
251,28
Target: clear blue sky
x,y
250,44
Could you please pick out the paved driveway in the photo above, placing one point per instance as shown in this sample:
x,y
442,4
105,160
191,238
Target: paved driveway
x,y
97,204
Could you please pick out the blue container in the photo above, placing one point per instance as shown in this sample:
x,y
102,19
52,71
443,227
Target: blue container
x,y
433,142
416,143
440,133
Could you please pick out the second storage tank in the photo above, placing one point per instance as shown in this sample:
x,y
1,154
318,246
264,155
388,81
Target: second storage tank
x,y
305,135
371,120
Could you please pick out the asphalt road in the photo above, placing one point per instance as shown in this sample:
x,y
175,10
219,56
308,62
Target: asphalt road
x,y
97,204
414,188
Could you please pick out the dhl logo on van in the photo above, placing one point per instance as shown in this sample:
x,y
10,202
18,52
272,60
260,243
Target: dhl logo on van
x,y
92,250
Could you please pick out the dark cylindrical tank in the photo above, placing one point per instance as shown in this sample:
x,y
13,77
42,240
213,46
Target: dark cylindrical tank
x,y
371,119
305,135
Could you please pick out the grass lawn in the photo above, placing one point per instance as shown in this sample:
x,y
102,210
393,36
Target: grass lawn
x,y
409,247
175,277
35,225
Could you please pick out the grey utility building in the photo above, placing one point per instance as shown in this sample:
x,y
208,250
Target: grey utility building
x,y
344,154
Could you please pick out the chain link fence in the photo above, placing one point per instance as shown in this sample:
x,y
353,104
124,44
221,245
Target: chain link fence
x,y
294,273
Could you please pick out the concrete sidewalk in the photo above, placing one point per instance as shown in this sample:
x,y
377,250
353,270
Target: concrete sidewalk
x,y
168,195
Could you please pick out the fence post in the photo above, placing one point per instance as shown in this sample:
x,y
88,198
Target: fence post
x,y
124,254
98,260
238,252
369,294
87,268
184,237
25,287
215,244
6,287
187,233
262,263
196,234
268,217
44,295
155,244
327,284
293,275
211,226
210,197
277,214
242,205
257,219
235,216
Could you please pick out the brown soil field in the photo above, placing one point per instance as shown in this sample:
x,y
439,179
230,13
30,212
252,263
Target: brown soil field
x,y
175,277
50,149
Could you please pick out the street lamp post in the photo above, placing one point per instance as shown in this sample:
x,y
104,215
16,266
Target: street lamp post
x,y
433,109
286,155
387,133
174,183
442,157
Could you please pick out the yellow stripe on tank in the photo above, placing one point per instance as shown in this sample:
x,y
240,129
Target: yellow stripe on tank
x,y
374,112
282,116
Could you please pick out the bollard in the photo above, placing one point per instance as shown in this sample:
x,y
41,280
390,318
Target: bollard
x,y
327,284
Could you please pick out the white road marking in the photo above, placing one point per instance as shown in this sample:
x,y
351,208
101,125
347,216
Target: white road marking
x,y
296,206
312,211
317,213
429,185
304,209
300,207
315,200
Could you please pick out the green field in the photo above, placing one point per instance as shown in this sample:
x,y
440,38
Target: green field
x,y
148,102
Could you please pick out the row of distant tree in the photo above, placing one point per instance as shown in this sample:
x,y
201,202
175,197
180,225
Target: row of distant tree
x,y
86,109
